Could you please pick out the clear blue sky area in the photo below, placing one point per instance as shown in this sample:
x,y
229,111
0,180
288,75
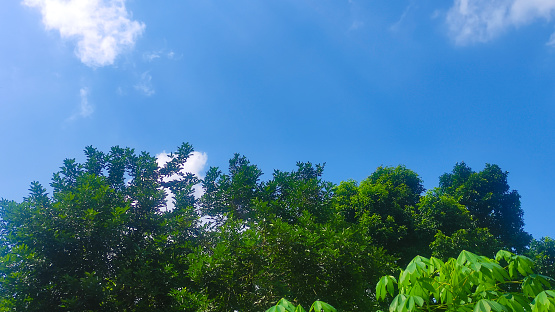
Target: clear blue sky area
x,y
354,84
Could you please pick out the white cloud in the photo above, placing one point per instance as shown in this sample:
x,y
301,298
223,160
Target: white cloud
x,y
151,56
102,28
154,55
195,164
145,84
472,21
85,108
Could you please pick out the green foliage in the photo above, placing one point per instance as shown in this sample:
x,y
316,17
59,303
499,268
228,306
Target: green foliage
x,y
441,212
289,194
107,240
489,200
469,283
104,241
231,193
385,203
543,253
285,306
478,240
294,245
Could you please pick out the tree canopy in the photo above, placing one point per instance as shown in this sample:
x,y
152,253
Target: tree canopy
x,y
121,233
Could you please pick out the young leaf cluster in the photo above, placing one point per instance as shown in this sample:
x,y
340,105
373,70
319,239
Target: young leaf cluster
x,y
285,306
469,283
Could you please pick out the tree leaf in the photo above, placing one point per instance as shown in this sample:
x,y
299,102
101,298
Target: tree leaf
x,y
482,306
320,306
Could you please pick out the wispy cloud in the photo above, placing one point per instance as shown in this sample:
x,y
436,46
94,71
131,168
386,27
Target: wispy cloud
x,y
103,28
397,25
151,56
154,55
472,21
85,109
195,164
145,84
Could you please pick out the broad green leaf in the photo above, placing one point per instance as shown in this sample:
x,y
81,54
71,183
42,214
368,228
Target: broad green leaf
x,y
496,306
436,264
397,303
411,268
404,278
524,265
285,305
319,306
426,284
462,258
541,298
499,273
409,304
390,285
300,309
418,300
385,286
503,254
512,269
482,306
508,300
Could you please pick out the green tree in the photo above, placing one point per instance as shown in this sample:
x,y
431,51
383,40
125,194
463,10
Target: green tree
x,y
477,240
449,227
104,241
490,201
386,204
469,283
231,194
294,245
543,253
441,212
289,194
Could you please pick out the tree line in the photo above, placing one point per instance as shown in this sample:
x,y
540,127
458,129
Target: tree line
x,y
105,240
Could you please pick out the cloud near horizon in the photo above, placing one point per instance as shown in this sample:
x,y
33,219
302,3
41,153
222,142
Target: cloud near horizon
x,y
472,21
102,28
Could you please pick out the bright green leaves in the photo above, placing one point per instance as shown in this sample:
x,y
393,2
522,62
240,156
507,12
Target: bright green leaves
x,y
470,283
385,286
516,264
485,305
402,303
534,284
544,302
320,306
514,302
285,306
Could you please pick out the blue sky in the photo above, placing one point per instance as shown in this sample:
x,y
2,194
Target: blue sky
x,y
355,84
